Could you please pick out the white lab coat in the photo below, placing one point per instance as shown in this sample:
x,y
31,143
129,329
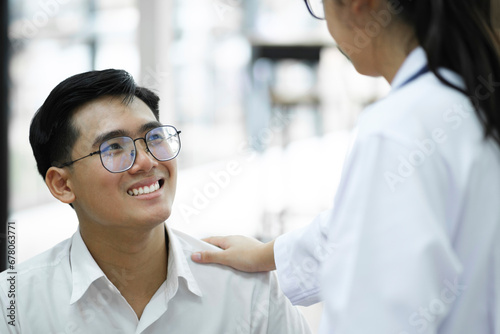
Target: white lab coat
x,y
412,243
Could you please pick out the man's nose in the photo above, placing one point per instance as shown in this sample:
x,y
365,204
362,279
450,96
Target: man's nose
x,y
144,160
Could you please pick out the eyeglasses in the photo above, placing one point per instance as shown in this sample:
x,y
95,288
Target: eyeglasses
x,y
316,8
118,154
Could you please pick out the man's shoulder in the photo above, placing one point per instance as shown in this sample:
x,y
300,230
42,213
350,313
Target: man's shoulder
x,y
46,260
190,244
256,297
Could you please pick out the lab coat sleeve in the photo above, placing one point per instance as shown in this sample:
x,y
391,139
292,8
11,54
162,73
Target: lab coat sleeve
x,y
393,269
298,256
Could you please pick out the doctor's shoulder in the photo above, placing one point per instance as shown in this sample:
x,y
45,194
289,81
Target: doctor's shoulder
x,y
425,109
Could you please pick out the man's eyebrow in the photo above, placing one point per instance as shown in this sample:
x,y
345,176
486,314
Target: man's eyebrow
x,y
149,126
122,133
108,135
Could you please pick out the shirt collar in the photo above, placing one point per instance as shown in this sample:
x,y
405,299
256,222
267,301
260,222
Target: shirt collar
x,y
86,271
83,267
178,267
416,60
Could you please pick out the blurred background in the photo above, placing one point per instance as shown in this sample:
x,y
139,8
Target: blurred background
x,y
263,98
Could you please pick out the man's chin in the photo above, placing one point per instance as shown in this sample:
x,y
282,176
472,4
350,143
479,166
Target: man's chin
x,y
158,217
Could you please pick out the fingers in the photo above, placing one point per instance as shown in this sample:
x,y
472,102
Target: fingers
x,y
217,241
206,257
239,252
212,257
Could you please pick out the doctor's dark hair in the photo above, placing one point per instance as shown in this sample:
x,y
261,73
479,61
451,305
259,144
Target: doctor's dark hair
x,y
463,36
52,134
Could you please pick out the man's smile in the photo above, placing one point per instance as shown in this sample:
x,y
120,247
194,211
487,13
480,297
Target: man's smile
x,y
146,189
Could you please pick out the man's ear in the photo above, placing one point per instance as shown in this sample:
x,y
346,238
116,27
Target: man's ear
x,y
364,7
57,179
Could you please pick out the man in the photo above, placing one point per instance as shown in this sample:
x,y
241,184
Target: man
x,y
100,147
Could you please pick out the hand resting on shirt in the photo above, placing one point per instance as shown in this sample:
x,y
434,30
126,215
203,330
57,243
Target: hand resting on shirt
x,y
239,252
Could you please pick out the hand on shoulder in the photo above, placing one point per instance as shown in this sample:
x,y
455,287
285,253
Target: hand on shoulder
x,y
239,252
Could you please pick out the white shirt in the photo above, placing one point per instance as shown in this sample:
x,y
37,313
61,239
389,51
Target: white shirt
x,y
412,243
64,291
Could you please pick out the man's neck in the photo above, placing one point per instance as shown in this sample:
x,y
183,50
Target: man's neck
x,y
134,261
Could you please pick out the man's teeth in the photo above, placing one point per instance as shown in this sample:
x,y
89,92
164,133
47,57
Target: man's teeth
x,y
144,190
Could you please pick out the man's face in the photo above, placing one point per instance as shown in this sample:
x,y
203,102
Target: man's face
x,y
103,198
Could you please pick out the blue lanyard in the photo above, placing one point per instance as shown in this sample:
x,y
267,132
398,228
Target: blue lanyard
x,y
422,71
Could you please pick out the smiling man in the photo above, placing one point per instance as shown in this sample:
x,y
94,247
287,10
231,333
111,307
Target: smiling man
x,y
100,147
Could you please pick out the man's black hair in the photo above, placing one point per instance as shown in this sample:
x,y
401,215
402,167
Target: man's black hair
x,y
52,134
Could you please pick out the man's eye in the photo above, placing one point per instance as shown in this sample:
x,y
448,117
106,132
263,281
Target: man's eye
x,y
155,137
112,147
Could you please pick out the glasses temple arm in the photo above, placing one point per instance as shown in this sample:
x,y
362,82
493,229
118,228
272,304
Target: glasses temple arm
x,y
69,163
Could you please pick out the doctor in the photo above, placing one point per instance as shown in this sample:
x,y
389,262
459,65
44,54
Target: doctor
x,y
412,244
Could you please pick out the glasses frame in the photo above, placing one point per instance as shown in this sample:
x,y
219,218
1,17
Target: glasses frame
x,y
309,8
177,132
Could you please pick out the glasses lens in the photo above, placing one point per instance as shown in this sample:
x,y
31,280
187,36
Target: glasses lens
x,y
316,8
163,142
117,154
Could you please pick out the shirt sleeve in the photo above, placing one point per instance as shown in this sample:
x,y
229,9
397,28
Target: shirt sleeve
x,y
393,269
298,256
